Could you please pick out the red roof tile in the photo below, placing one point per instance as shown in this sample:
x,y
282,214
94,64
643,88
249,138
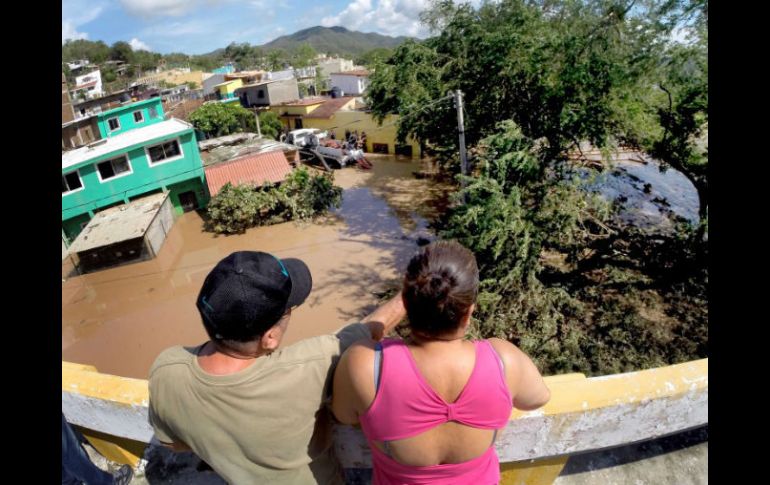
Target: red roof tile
x,y
256,168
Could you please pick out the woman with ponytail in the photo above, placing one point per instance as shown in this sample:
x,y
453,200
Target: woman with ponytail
x,y
431,405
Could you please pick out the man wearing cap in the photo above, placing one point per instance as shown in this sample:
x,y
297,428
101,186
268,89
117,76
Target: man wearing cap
x,y
254,412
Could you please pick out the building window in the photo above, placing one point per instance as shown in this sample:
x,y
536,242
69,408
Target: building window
x,y
113,123
261,94
164,152
113,168
138,116
153,112
71,182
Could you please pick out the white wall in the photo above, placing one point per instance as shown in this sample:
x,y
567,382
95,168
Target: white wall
x,y
350,85
90,77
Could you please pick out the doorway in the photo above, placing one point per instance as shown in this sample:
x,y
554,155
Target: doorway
x,y
188,201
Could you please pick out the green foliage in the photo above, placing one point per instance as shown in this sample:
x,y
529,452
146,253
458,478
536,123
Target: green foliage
x,y
301,196
303,55
219,119
108,75
374,56
618,304
270,124
566,71
303,90
95,51
121,51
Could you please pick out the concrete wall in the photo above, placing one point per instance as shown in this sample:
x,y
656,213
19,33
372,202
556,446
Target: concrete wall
x,y
282,91
159,227
80,133
211,81
583,415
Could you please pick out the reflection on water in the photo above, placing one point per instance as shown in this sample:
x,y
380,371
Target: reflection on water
x,y
648,198
120,319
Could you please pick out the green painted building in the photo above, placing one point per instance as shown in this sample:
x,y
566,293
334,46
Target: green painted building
x,y
129,117
143,158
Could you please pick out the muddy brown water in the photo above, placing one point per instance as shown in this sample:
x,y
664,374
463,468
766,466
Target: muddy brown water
x,y
119,319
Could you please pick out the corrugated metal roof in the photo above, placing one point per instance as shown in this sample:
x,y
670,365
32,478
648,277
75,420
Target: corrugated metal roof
x,y
255,169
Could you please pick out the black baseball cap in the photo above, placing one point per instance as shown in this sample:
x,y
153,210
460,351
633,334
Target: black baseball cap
x,y
248,292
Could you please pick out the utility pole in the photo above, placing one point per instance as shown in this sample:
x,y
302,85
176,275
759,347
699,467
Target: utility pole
x,y
461,131
259,132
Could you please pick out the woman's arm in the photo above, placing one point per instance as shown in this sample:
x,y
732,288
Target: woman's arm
x,y
527,386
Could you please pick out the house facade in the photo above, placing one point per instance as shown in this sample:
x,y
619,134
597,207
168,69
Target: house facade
x,y
88,86
352,83
128,117
144,158
268,93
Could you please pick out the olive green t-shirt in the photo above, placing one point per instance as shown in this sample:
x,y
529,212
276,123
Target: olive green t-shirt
x,y
264,424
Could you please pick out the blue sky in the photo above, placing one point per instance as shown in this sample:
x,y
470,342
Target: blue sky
x,y
199,26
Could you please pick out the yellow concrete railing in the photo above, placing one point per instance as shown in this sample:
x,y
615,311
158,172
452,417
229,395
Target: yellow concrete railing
x,y
584,414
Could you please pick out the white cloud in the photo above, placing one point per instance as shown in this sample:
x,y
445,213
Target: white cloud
x,y
160,8
68,31
391,17
138,45
75,13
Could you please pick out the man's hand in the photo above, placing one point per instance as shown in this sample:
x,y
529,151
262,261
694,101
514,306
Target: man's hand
x,y
385,318
177,446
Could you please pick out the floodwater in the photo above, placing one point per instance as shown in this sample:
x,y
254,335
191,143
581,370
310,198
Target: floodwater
x,y
649,198
119,319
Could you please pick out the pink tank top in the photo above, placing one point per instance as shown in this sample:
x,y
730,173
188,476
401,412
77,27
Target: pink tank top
x,y
406,405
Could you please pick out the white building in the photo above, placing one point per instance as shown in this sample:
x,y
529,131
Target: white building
x,y
90,84
329,65
352,83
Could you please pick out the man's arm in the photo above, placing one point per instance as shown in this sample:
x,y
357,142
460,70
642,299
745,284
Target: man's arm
x,y
176,446
385,318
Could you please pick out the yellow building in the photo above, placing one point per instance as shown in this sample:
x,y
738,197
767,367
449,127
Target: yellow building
x,y
227,89
291,113
338,115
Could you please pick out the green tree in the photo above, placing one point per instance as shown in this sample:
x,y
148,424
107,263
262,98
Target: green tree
x,y
108,75
301,196
269,124
121,51
276,59
303,55
565,71
219,119
95,51
374,56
